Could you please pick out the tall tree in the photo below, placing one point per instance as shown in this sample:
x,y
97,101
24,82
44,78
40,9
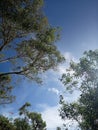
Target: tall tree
x,y
27,41
31,120
84,77
21,124
28,121
37,121
5,124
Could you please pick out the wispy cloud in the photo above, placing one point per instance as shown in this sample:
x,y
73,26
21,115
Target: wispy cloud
x,y
71,97
62,67
69,56
54,90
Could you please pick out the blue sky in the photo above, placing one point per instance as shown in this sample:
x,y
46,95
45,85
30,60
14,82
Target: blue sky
x,y
79,22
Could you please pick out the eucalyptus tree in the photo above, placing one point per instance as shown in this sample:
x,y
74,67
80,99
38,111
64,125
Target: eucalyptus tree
x,y
84,77
27,41
5,90
30,120
21,124
6,124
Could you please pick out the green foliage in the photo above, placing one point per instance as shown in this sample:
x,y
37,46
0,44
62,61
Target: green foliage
x,y
23,110
5,90
26,33
58,128
21,124
85,110
28,121
37,122
31,120
5,124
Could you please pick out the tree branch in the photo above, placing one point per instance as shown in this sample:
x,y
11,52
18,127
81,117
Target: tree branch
x,y
24,70
5,102
11,73
11,58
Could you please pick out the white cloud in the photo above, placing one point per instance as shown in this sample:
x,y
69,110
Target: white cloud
x,y
71,97
54,75
54,90
53,120
68,56
51,116
61,69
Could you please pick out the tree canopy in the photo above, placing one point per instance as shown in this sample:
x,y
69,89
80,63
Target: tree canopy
x,y
27,42
5,123
84,77
29,120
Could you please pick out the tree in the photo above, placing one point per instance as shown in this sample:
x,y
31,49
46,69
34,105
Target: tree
x,y
5,90
58,128
84,77
21,124
31,120
37,121
23,110
28,121
5,124
27,41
